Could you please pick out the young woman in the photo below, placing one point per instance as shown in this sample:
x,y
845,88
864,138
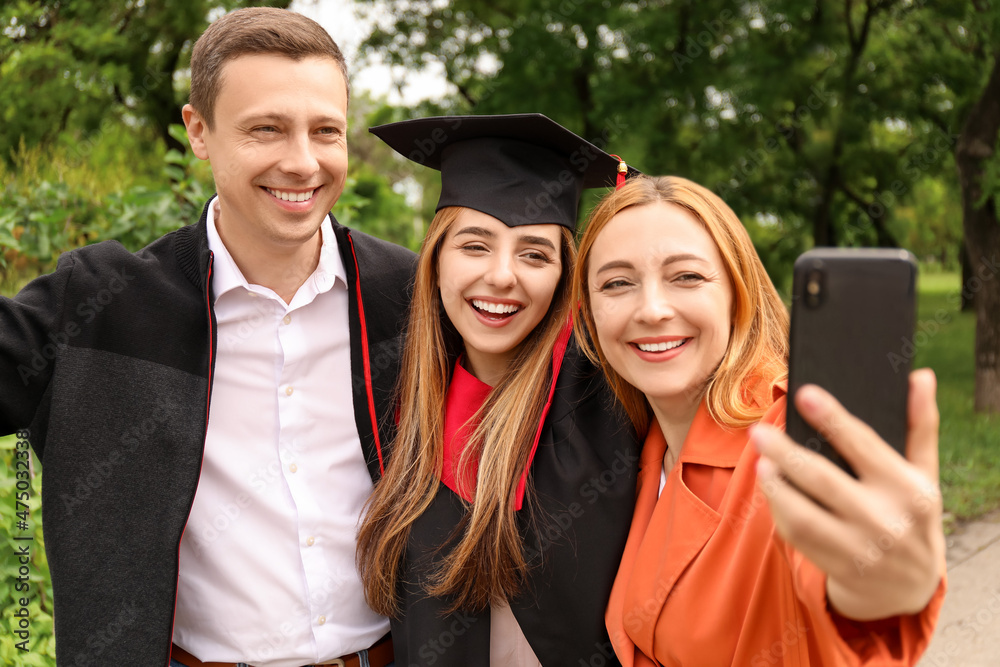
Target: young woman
x,y
727,562
494,535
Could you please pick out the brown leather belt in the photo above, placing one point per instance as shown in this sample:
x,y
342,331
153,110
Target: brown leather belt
x,y
379,655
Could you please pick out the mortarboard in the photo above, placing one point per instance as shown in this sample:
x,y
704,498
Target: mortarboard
x,y
523,169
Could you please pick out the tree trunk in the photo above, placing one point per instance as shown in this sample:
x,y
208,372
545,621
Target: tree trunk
x,y
975,147
164,108
963,255
823,231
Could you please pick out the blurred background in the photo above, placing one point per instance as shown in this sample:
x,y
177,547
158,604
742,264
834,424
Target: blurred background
x,y
823,122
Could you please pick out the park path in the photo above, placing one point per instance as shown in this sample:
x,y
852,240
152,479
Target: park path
x,y
968,631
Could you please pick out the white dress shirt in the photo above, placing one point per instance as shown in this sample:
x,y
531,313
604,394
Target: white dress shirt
x,y
267,573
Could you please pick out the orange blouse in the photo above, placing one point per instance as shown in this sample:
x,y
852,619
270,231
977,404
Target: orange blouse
x,y
705,579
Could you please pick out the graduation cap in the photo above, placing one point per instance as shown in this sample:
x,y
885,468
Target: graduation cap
x,y
523,169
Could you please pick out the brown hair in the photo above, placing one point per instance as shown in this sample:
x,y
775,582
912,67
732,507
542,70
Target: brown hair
x,y
758,345
486,563
260,30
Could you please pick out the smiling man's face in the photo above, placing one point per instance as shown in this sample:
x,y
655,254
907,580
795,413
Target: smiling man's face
x,y
278,149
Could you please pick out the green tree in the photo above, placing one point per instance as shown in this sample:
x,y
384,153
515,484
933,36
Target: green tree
x,y
966,35
84,65
788,110
384,183
820,123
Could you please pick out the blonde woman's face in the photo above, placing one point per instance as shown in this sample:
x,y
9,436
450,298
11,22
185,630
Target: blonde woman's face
x,y
497,283
661,301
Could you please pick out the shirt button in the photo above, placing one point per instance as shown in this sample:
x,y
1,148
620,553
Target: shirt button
x,y
287,319
321,620
288,391
292,468
311,541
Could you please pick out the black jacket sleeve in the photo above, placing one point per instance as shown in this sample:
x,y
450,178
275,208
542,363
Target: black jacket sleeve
x,y
34,329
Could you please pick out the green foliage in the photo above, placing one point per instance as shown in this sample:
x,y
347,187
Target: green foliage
x,y
369,204
86,65
39,219
101,163
816,116
778,247
142,214
380,179
970,460
933,222
50,205
41,642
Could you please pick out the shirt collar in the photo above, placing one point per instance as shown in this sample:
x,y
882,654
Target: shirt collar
x,y
226,275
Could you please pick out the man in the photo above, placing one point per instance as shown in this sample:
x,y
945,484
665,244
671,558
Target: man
x,y
229,384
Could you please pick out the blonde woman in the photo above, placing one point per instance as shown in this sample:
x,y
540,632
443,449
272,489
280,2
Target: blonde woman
x,y
727,563
494,535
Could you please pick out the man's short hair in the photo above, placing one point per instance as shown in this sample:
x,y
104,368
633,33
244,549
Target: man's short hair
x,y
253,30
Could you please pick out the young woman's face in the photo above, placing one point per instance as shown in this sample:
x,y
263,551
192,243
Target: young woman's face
x,y
497,283
661,300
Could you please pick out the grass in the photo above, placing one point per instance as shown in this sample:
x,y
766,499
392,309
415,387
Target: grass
x,y
970,442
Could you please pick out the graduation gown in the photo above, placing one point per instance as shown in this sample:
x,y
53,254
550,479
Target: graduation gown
x,y
705,580
582,477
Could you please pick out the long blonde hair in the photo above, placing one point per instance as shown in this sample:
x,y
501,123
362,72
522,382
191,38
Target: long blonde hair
x,y
486,563
758,345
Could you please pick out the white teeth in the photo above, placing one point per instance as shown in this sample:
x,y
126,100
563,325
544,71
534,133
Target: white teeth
x,y
661,347
292,196
499,308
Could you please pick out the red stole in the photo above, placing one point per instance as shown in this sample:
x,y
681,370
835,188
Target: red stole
x,y
466,394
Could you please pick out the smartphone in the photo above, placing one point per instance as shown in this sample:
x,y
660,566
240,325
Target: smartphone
x,y
853,312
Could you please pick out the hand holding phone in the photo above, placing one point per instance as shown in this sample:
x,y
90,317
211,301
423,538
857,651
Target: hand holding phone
x,y
852,325
878,538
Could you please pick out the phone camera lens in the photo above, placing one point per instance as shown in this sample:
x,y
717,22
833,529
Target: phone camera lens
x,y
814,288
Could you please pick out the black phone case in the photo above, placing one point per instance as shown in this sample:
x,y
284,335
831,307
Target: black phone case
x,y
852,328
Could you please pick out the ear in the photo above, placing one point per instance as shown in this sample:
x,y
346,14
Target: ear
x,y
196,130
